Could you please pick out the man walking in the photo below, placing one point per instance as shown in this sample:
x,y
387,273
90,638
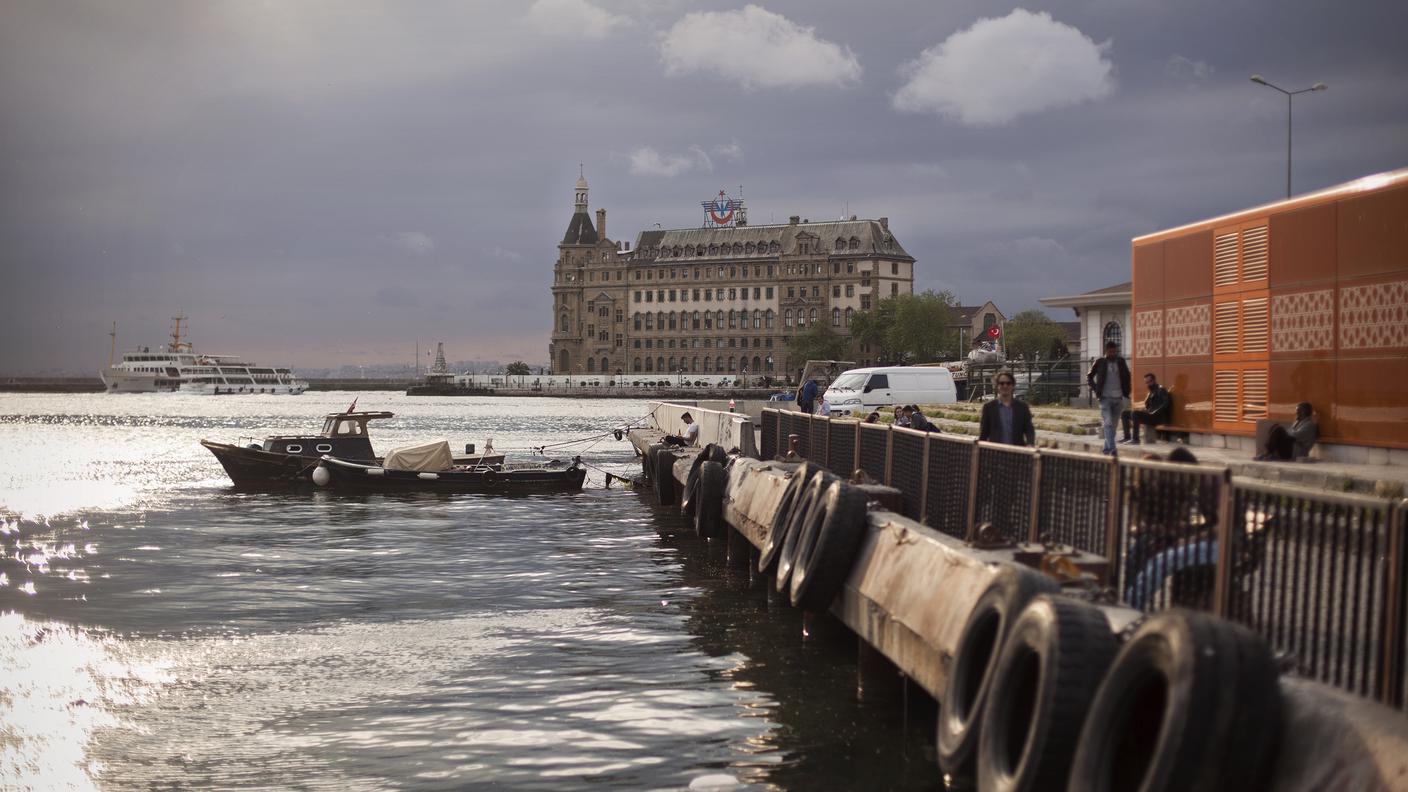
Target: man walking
x,y
1157,406
1006,419
807,397
1109,381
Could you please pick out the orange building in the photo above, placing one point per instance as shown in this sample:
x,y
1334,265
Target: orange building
x,y
1245,315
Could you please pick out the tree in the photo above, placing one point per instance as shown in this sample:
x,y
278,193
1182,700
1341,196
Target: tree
x,y
819,342
517,368
1032,333
909,328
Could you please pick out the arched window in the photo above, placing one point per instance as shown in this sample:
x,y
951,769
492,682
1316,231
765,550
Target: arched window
x,y
732,320
835,317
635,365
773,247
713,250
1112,333
811,318
564,323
660,320
649,321
696,320
757,320
591,365
849,312
719,319
708,320
694,364
605,366
840,244
757,363
649,365
787,318
748,248
767,319
738,248
672,320
564,363
660,364
673,366
855,243
732,363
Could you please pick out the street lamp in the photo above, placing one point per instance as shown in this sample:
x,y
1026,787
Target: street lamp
x,y
1256,78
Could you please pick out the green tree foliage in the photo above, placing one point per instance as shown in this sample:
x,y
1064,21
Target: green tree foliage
x,y
909,328
517,368
819,342
1031,333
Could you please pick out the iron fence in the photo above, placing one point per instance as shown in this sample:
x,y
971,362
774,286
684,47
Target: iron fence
x,y
1000,491
1322,577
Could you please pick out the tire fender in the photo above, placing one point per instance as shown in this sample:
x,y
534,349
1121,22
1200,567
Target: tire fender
x,y
1191,702
777,532
965,692
647,462
808,502
1043,681
691,483
664,478
709,513
826,549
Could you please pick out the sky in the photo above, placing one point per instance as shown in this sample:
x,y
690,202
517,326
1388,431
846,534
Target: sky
x,y
333,182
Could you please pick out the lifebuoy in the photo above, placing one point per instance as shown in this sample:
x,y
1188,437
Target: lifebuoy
x,y
777,532
1191,702
826,550
965,692
664,477
808,502
709,513
1043,681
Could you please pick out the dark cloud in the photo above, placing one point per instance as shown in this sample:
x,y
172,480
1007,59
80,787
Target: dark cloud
x,y
325,183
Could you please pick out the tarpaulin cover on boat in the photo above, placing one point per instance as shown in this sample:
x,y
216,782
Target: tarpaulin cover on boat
x,y
429,456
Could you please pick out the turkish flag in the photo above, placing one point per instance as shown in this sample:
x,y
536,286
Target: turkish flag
x,y
994,331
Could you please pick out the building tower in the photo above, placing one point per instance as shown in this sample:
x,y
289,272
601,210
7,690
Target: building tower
x,y
583,311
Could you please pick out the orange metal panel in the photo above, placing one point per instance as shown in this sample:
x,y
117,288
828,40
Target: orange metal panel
x,y
1370,408
1148,273
1191,386
1303,246
1188,266
1295,381
1373,233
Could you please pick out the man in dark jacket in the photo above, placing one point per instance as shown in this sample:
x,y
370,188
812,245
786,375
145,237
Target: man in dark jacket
x,y
1005,419
1157,406
1109,382
918,421
806,400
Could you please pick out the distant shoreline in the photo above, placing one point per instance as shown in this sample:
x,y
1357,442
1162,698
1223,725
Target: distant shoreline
x,y
95,385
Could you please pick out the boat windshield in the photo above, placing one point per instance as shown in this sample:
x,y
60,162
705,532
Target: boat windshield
x,y
849,381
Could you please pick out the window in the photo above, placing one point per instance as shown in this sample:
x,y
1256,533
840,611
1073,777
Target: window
x,y
637,293
564,323
769,292
650,296
840,244
767,319
696,295
635,365
878,381
757,320
836,268
836,290
849,313
591,365
672,295
791,292
787,318
835,317
894,268
811,317
850,290
816,291
1112,333
649,364
865,302
719,295
894,289
620,315
696,320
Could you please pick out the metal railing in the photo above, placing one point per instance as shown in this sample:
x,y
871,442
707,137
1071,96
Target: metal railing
x,y
1321,576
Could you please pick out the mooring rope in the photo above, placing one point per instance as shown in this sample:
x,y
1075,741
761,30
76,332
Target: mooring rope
x,y
617,432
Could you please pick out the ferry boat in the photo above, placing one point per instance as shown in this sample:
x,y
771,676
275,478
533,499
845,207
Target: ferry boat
x,y
179,368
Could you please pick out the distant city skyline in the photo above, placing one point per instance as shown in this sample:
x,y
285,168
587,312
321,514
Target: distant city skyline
x,y
322,184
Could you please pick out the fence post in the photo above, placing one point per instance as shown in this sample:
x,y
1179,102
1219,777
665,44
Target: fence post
x,y
1222,585
1391,658
972,490
1034,513
855,452
889,453
924,481
1112,525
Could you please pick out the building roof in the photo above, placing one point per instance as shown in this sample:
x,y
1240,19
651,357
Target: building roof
x,y
871,239
1118,294
580,231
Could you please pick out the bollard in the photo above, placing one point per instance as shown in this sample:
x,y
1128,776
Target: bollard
x,y
792,455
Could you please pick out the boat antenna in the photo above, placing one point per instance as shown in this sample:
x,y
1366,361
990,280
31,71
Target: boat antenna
x,y
177,345
112,350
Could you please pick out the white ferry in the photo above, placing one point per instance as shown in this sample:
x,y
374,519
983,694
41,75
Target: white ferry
x,y
179,368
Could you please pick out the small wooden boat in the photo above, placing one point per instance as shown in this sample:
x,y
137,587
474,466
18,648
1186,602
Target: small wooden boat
x,y
511,479
283,461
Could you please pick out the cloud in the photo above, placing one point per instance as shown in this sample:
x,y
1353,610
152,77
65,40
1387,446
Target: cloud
x,y
1185,68
417,242
730,151
573,18
763,50
1000,69
646,161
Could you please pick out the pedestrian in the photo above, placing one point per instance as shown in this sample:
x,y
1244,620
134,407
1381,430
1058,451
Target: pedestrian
x,y
1006,419
874,417
1156,409
918,421
823,407
901,415
1294,443
806,399
1109,381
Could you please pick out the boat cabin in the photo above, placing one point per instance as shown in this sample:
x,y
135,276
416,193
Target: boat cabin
x,y
344,435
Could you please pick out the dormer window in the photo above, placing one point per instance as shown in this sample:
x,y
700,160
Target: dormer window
x,y
840,244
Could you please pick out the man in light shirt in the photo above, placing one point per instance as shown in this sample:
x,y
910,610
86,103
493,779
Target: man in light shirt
x,y
1109,381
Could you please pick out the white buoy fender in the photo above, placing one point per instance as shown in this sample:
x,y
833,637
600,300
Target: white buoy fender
x,y
321,476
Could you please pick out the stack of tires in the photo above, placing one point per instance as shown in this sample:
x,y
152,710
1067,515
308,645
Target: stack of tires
x,y
815,535
1042,696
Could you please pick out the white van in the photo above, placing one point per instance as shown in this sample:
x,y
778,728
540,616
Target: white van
x,y
860,391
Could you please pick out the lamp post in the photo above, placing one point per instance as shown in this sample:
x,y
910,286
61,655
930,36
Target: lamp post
x,y
1256,78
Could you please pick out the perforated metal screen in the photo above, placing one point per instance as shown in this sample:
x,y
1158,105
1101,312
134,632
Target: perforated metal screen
x,y
841,447
873,442
1074,501
1004,495
907,468
950,465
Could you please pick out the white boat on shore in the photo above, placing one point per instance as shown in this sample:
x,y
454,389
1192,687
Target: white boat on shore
x,y
178,368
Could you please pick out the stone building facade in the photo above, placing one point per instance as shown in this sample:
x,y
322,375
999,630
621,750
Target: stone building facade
x,y
713,300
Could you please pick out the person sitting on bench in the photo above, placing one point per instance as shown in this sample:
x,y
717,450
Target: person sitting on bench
x,y
1294,443
1156,409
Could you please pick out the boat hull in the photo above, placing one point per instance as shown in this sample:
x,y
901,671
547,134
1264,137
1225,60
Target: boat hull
x,y
255,468
356,477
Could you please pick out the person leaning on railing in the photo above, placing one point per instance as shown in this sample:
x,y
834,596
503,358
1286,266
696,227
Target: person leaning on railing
x,y
1007,419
